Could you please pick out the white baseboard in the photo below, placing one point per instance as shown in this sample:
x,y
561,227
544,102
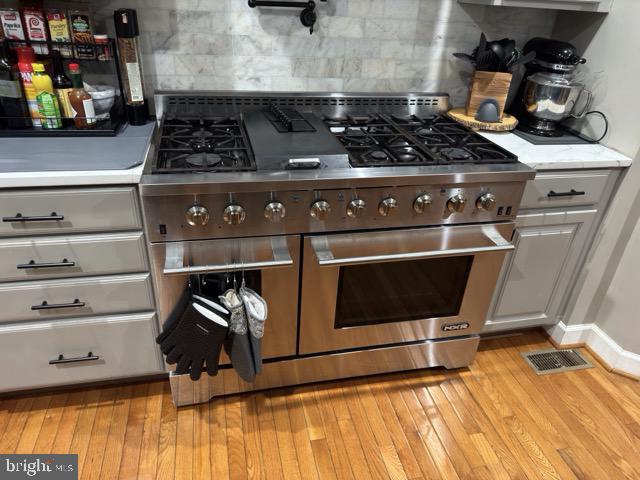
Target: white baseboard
x,y
601,344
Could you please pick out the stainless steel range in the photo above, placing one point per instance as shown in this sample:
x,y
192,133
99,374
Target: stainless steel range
x,y
373,225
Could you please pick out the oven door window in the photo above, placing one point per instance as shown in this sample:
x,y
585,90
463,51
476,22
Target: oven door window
x,y
377,293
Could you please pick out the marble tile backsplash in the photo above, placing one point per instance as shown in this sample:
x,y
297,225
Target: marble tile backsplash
x,y
357,45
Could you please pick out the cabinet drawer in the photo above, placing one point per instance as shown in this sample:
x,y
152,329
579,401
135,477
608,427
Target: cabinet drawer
x,y
71,256
564,190
30,212
124,346
25,301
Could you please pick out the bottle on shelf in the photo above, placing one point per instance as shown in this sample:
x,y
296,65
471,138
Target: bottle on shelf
x,y
62,87
26,58
84,114
13,106
47,101
127,31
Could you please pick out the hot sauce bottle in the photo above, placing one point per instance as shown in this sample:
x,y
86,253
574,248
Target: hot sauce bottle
x,y
84,115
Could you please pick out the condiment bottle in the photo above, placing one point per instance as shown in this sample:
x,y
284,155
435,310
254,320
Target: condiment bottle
x,y
81,102
12,105
26,57
62,86
47,101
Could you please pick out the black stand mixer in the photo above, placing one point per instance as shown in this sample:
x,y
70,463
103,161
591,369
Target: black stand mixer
x,y
549,93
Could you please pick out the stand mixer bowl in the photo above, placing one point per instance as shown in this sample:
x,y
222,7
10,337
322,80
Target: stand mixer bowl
x,y
551,98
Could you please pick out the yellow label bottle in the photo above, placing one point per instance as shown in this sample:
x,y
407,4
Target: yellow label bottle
x,y
48,105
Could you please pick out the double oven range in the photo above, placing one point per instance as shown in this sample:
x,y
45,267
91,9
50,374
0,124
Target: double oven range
x,y
374,227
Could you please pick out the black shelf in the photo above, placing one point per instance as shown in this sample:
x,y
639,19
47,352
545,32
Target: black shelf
x,y
104,128
56,46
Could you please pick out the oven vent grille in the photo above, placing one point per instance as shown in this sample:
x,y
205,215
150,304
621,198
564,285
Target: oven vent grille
x,y
554,361
229,104
301,101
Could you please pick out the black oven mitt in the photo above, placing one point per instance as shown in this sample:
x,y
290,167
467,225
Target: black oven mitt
x,y
256,311
237,344
196,338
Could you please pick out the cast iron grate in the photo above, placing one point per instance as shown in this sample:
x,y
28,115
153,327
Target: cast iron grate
x,y
554,361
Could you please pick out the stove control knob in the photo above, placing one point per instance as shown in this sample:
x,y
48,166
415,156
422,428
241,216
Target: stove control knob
x,y
421,203
320,209
486,202
356,207
274,212
197,216
234,214
387,206
457,203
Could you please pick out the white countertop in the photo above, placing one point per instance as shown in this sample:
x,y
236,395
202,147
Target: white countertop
x,y
555,157
66,161
71,178
135,142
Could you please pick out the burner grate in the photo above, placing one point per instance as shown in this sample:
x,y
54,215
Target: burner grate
x,y
200,144
378,141
373,141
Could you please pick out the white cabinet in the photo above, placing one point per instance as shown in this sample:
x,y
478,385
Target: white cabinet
x,y
537,274
75,288
556,224
44,354
579,5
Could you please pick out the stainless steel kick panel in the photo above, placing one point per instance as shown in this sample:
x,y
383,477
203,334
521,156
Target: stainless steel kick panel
x,y
324,255
450,353
277,259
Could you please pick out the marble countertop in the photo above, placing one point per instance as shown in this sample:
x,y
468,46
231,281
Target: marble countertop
x,y
66,161
555,157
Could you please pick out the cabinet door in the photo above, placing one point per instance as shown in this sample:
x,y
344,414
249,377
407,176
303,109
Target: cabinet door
x,y
537,274
580,5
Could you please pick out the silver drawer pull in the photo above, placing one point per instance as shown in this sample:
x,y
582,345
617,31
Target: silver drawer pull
x,y
37,218
89,357
52,306
33,264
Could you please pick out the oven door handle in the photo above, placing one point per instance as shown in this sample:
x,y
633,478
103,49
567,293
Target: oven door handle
x,y
326,258
281,258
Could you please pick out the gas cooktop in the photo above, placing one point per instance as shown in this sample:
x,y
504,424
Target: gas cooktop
x,y
250,141
376,140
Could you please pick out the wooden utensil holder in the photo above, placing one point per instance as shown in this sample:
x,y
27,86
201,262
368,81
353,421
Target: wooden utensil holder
x,y
487,85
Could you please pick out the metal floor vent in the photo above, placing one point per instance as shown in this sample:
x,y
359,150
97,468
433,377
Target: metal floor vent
x,y
554,361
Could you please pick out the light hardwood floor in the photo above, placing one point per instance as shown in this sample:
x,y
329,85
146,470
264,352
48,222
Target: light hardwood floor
x,y
495,420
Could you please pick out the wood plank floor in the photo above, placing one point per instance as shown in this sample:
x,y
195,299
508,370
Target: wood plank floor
x,y
493,420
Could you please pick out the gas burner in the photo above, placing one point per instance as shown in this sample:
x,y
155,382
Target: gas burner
x,y
455,154
379,155
203,159
356,136
203,145
202,133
